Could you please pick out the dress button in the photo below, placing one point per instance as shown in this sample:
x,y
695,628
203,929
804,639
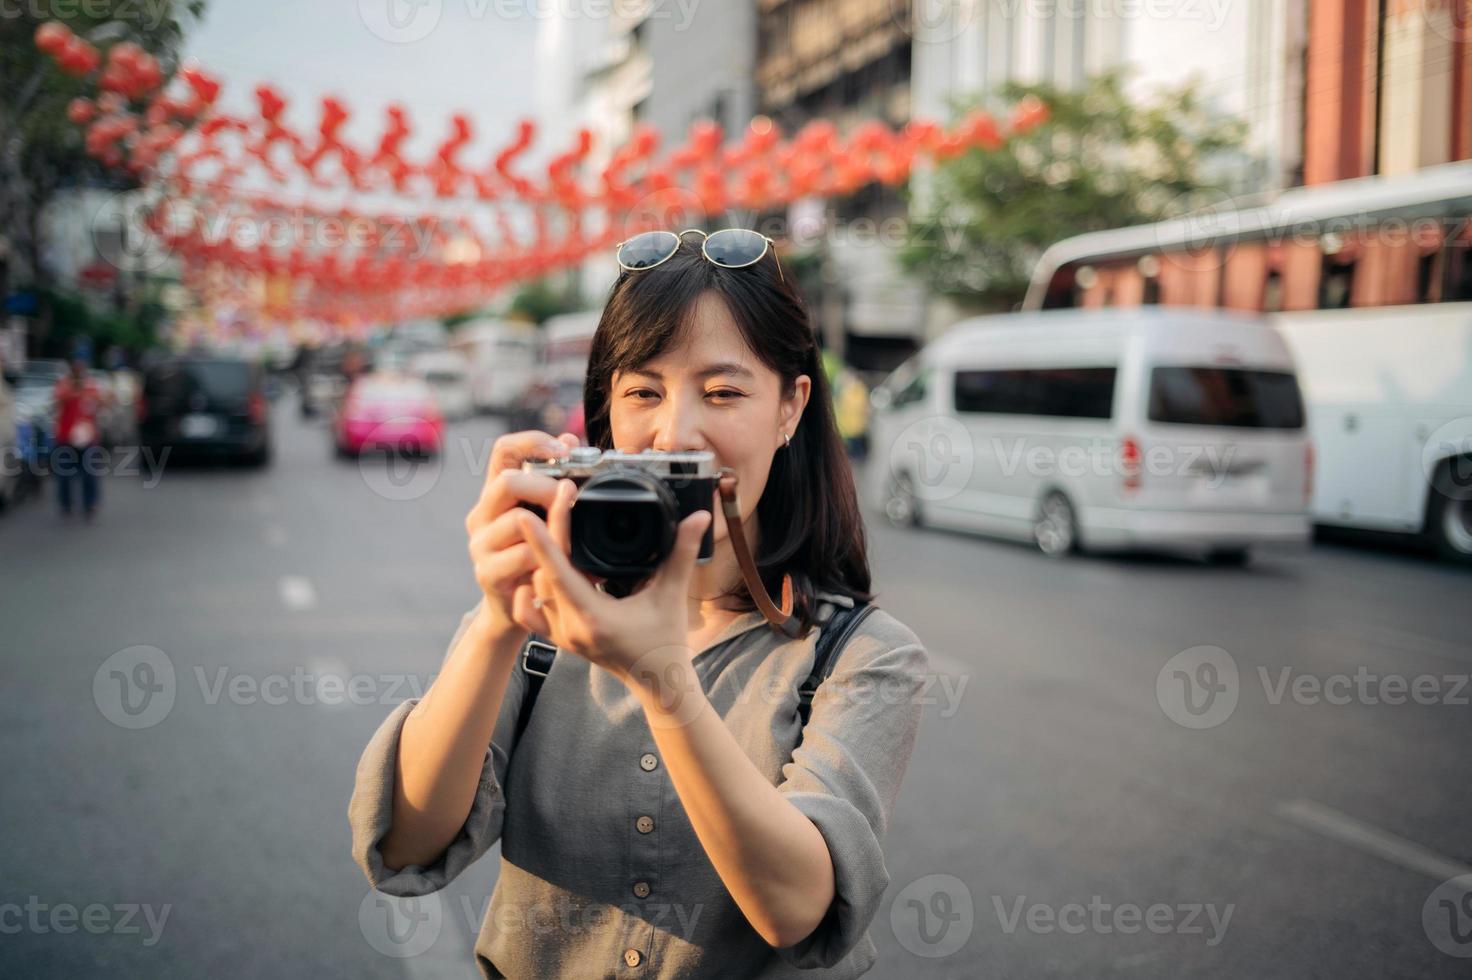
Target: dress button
x,y
641,889
644,824
632,957
648,762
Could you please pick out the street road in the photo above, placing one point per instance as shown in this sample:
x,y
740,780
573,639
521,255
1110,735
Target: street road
x,y
1137,767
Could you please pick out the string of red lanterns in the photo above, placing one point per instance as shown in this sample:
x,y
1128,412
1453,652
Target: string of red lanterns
x,y
208,165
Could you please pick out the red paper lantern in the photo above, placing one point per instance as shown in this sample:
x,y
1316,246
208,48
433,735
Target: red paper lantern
x,y
52,37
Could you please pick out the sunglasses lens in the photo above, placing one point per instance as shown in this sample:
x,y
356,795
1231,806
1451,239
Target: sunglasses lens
x,y
650,248
735,247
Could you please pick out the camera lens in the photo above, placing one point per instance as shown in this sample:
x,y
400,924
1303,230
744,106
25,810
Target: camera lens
x,y
623,524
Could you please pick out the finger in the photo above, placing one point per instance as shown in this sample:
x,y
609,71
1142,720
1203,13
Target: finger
x,y
501,570
570,440
502,532
559,517
674,575
507,490
568,584
526,615
515,448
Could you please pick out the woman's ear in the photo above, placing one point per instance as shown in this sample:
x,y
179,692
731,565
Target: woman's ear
x,y
793,404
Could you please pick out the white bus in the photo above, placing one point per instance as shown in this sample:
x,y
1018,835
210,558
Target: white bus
x,y
1370,282
502,355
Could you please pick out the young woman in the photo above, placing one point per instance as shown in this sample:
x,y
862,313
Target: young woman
x,y
657,814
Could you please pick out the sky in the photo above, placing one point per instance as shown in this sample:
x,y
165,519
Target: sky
x,y
436,57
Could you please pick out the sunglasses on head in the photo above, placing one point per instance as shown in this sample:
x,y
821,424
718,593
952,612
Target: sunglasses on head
x,y
729,248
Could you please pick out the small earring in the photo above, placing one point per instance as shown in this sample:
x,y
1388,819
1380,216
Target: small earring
x,y
786,441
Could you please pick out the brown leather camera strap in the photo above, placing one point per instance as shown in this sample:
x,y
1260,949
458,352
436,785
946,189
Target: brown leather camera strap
x,y
781,618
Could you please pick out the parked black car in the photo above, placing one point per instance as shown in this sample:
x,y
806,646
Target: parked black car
x,y
206,406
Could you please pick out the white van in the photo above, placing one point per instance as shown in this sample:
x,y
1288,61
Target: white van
x,y
502,355
1099,429
447,372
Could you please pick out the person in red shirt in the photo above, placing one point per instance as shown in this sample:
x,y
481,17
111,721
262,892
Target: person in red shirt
x,y
78,452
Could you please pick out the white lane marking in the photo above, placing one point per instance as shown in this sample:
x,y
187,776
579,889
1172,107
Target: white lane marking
x,y
276,535
297,593
1372,840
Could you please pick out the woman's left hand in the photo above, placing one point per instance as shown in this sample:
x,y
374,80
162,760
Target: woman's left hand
x,y
633,637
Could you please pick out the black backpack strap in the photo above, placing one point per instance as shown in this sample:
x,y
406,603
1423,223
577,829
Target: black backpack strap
x,y
835,633
536,661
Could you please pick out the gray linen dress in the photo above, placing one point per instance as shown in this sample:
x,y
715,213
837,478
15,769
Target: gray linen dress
x,y
601,873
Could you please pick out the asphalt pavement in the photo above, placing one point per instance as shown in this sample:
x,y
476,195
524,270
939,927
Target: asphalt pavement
x,y
1128,767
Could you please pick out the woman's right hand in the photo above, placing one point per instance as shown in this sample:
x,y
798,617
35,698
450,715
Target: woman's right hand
x,y
501,557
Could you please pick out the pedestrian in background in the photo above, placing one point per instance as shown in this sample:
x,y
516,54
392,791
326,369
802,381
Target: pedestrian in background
x,y
78,456
851,407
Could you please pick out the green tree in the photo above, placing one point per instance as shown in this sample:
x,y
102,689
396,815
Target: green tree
x,y
1102,160
41,151
538,300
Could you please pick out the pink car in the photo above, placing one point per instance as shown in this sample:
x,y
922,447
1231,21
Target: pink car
x,y
388,412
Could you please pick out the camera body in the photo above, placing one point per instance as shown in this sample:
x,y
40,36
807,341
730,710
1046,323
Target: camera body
x,y
629,506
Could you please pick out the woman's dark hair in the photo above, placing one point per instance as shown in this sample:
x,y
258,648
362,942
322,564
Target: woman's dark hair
x,y
809,511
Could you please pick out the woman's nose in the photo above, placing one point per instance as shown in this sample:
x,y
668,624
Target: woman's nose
x,y
679,429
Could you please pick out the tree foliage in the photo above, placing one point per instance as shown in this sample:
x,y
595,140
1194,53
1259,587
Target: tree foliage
x,y
1102,160
41,151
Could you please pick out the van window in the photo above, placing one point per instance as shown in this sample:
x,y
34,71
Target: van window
x,y
1079,393
1225,396
909,383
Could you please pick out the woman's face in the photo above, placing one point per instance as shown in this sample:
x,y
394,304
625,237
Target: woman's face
x,y
709,392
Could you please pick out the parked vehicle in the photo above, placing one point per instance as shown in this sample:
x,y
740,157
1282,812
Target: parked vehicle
x,y
390,412
12,458
1370,283
115,420
448,375
1111,429
197,405
554,400
554,407
502,355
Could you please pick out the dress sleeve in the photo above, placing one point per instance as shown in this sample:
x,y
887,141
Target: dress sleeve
x,y
846,774
370,811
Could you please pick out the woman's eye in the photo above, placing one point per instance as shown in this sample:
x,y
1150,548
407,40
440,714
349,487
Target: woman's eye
x,y
725,394
639,393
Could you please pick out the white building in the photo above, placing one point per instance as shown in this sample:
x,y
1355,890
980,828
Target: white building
x,y
1246,56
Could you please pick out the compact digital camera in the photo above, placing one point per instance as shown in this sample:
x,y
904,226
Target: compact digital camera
x,y
629,506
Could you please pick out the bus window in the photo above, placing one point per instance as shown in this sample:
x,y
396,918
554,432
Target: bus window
x,y
1336,275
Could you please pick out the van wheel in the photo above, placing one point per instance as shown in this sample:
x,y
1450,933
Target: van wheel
x,y
900,505
1056,530
1449,516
